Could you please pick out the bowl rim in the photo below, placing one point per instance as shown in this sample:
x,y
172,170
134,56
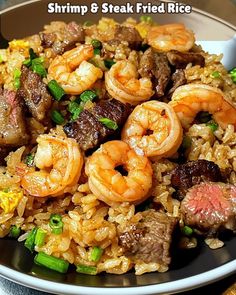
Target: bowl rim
x,y
184,284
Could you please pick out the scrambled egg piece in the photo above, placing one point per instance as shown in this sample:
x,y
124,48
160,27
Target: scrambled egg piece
x,y
18,44
10,200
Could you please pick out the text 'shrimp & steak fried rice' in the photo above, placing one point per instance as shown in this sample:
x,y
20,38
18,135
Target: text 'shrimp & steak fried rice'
x,y
116,141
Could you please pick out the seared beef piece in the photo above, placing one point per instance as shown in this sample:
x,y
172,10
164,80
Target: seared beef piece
x,y
194,172
88,131
180,60
154,64
128,34
210,206
34,92
63,40
149,240
178,79
12,122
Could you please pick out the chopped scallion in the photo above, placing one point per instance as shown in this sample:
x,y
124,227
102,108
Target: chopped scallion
x,y
51,262
146,19
40,237
88,23
233,74
109,123
96,44
32,54
57,117
187,231
16,76
29,160
90,270
1,59
187,142
216,74
75,109
213,125
56,224
96,254
30,241
96,51
56,90
14,232
88,95
109,63
38,67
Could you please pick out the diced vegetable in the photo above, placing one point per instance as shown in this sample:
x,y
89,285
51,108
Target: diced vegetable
x,y
90,270
109,123
187,231
38,67
233,74
32,54
75,109
30,241
16,76
96,51
146,19
57,117
109,63
56,224
216,74
29,160
96,44
1,59
40,237
88,95
14,232
56,90
187,142
213,125
96,254
51,262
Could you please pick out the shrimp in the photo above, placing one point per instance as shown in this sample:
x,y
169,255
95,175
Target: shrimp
x,y
59,161
73,72
122,83
109,185
190,99
171,37
153,129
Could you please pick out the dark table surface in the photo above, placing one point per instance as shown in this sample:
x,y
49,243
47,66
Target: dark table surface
x,y
214,7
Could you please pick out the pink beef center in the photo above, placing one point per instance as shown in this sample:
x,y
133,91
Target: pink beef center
x,y
209,202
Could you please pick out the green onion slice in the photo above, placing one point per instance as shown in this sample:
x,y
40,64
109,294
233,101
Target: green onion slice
x,y
32,54
88,95
90,270
30,241
146,19
29,160
187,142
233,74
187,231
109,123
109,63
96,51
216,74
96,254
38,67
40,237
56,224
75,109
88,23
96,44
16,76
57,117
213,125
14,232
51,262
56,90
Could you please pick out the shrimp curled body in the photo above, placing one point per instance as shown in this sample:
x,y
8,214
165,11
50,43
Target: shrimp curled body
x,y
59,161
153,129
109,185
190,99
171,37
123,84
72,71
